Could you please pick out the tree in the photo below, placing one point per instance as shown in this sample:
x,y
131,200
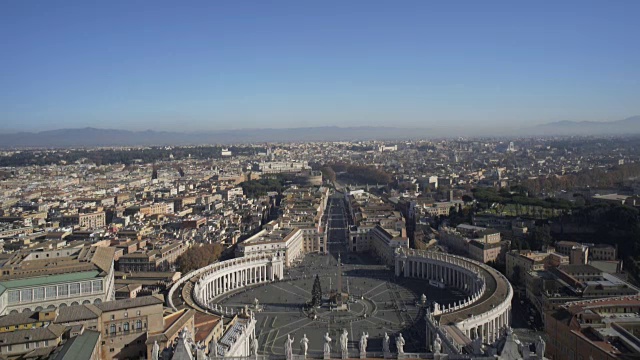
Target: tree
x,y
539,237
516,276
198,256
328,173
316,293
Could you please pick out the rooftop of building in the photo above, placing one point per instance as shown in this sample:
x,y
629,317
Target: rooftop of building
x,y
204,324
79,347
131,303
51,332
574,269
42,264
483,245
70,314
584,316
46,280
276,235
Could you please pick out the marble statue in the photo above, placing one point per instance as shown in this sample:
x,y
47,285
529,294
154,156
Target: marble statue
x,y
304,345
327,344
344,343
437,344
385,343
400,343
254,346
288,347
477,343
200,353
155,351
540,347
363,343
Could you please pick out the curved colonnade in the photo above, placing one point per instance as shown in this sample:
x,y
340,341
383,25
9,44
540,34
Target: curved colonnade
x,y
481,317
220,278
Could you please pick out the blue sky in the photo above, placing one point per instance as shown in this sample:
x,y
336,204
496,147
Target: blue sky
x,y
203,65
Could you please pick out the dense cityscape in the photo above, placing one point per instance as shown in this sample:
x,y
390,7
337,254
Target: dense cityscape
x,y
515,248
306,180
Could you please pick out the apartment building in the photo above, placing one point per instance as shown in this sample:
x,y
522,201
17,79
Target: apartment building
x,y
594,329
93,220
478,243
549,289
519,263
378,228
286,243
304,208
159,259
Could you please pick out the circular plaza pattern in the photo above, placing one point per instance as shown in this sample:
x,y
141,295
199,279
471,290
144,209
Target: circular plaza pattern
x,y
379,303
467,302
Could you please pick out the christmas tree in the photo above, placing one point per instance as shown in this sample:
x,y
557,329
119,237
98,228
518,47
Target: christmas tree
x,y
316,293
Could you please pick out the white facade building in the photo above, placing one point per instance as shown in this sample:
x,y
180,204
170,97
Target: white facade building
x,y
285,243
85,276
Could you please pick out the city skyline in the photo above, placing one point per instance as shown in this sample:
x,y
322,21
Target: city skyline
x,y
214,66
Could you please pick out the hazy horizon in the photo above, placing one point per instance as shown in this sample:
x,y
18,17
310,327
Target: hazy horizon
x,y
206,66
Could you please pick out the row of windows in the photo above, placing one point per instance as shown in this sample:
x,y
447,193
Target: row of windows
x,y
55,291
125,327
31,345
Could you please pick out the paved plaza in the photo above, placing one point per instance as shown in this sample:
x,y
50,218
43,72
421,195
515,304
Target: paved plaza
x,y
380,302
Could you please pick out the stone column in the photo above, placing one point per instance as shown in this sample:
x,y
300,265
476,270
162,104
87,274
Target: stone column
x,y
492,330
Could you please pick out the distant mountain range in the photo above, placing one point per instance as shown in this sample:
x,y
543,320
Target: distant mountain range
x,y
626,126
93,137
